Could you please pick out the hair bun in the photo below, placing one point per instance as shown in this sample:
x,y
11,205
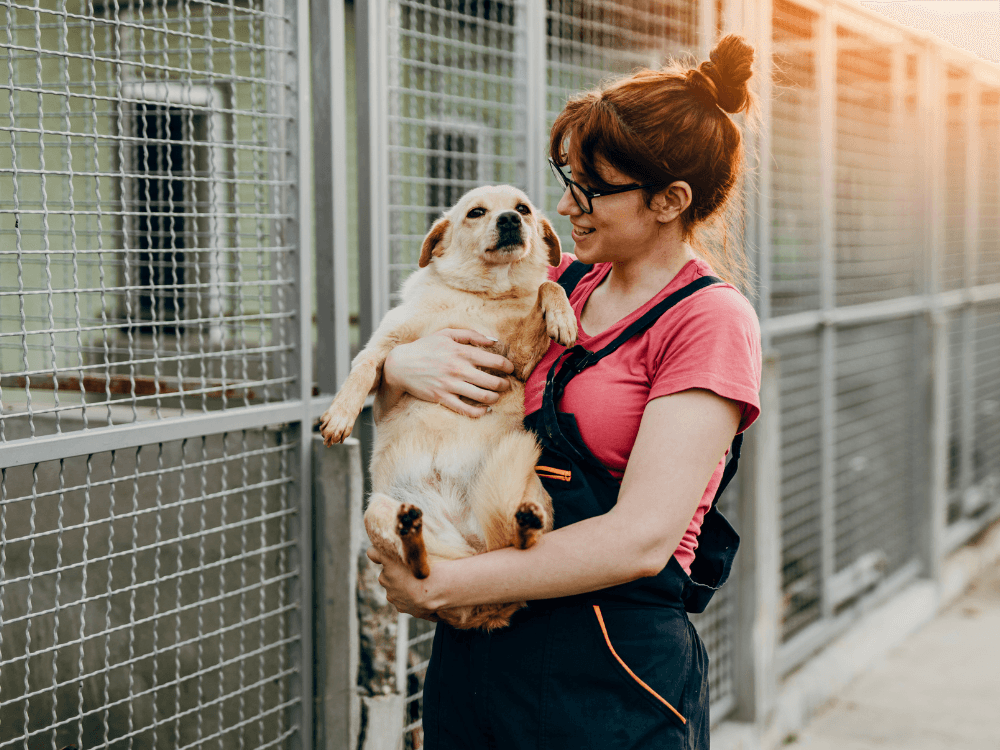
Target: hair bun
x,y
722,80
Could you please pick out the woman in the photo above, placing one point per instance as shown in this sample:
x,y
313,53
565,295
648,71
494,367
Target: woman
x,y
634,439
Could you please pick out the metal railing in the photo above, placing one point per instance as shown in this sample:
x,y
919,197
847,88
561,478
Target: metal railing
x,y
155,488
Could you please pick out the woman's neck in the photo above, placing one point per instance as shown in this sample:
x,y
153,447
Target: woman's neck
x,y
644,275
631,284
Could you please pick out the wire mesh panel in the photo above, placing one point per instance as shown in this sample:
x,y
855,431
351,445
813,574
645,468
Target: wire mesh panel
x,y
958,388
877,244
801,533
420,635
145,210
592,40
986,412
988,256
148,595
716,625
875,461
145,596
456,111
956,189
796,207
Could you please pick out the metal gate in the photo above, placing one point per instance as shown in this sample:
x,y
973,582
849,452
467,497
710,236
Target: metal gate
x,y
154,569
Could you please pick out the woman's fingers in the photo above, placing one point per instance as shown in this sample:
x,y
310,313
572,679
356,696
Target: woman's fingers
x,y
456,404
476,355
485,381
467,336
490,361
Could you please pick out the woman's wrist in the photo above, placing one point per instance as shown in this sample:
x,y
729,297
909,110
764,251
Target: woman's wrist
x,y
436,586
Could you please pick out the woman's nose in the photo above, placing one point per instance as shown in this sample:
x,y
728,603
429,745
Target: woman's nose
x,y
567,206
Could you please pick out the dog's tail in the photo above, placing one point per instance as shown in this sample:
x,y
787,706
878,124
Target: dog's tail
x,y
506,481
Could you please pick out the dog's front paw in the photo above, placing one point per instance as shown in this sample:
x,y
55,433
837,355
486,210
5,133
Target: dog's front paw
x,y
336,424
560,325
531,519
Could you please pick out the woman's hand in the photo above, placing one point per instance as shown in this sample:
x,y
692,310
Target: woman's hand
x,y
405,592
443,366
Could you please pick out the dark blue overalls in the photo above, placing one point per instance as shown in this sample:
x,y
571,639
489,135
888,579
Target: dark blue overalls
x,y
617,669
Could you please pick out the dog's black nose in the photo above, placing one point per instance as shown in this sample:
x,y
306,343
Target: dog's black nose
x,y
508,220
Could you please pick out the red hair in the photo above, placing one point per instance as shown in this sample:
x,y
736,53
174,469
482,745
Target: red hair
x,y
661,126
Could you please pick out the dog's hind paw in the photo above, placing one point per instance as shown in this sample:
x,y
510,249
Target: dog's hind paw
x,y
530,522
410,526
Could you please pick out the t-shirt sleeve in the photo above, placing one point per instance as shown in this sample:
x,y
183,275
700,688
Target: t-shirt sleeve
x,y
715,346
556,271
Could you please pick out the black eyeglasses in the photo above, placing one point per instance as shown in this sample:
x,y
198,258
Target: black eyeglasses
x,y
584,197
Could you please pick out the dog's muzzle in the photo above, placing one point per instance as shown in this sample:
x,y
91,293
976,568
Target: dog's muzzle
x,y
508,230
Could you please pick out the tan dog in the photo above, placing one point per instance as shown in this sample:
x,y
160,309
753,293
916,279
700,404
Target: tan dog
x,y
446,486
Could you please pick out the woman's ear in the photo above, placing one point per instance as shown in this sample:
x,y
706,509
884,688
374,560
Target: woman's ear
x,y
672,202
551,240
432,240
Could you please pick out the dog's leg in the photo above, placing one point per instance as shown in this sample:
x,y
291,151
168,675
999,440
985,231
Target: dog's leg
x,y
552,317
338,420
533,515
410,527
508,499
397,528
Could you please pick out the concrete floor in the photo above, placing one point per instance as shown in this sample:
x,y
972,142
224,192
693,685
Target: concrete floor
x,y
940,690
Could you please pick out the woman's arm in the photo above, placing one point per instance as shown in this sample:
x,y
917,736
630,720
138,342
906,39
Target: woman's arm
x,y
681,439
440,368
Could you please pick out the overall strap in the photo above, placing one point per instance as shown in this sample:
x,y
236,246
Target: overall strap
x,y
730,471
578,359
574,360
572,275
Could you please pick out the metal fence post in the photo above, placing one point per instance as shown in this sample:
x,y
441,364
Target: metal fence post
x,y
758,568
930,533
300,136
373,192
338,488
827,68
536,128
329,146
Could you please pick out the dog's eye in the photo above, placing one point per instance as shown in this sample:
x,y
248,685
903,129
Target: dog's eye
x,y
523,209
476,213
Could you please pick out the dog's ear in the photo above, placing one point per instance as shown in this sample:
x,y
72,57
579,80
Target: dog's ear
x,y
551,240
432,240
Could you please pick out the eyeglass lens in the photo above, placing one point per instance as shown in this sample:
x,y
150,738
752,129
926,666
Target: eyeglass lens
x,y
581,198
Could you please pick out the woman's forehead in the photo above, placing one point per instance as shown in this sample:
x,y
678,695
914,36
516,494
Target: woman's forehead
x,y
605,170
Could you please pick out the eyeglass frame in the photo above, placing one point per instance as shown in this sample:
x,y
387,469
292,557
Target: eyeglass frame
x,y
589,194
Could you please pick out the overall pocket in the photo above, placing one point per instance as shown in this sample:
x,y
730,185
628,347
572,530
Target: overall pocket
x,y
650,650
626,696
675,682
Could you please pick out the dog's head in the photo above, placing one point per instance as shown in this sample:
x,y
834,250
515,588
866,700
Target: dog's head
x,y
489,228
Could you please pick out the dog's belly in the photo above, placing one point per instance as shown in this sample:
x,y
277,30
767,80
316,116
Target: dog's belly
x,y
429,456
433,469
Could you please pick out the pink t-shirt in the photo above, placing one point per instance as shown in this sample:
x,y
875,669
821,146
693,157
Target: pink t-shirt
x,y
710,340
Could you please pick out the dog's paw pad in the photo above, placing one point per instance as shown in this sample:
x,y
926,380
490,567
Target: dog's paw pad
x,y
527,517
409,520
530,522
